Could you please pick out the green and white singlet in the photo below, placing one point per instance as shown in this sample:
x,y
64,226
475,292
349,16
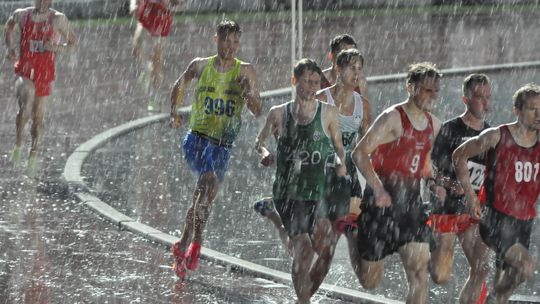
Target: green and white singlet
x,y
301,158
218,105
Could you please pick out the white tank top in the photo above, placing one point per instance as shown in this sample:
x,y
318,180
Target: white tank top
x,y
348,125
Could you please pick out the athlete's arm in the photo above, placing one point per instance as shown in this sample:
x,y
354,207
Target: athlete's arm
x,y
12,21
271,127
366,118
386,128
472,147
62,27
331,116
179,89
248,82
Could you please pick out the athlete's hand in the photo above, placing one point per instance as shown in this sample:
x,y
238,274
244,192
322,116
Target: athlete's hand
x,y
175,121
456,189
440,192
48,45
267,159
383,199
340,169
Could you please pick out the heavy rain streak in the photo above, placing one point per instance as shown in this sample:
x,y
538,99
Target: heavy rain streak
x,y
107,178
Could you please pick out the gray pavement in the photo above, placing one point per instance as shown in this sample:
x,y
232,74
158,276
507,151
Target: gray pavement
x,y
54,250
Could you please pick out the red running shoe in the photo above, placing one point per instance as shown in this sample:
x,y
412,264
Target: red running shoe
x,y
192,256
179,264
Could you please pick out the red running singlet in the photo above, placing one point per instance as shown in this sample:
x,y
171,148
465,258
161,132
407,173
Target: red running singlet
x,y
155,17
512,182
35,63
406,155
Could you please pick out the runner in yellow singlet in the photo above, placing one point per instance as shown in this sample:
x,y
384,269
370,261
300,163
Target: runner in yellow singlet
x,y
225,84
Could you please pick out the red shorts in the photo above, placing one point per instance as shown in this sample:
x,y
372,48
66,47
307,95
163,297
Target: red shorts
x,y
450,223
42,87
157,22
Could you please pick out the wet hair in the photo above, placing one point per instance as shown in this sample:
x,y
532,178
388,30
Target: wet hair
x,y
421,70
345,57
227,27
525,92
472,81
337,42
305,64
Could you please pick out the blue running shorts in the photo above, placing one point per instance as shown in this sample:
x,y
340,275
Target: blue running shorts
x,y
202,155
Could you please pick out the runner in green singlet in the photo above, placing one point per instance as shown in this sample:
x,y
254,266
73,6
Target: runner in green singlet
x,y
304,129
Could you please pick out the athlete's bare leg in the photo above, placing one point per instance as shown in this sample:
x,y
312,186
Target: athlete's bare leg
x,y
324,240
198,213
477,254
157,58
138,50
36,131
203,206
442,257
369,273
415,259
274,217
520,269
303,254
25,96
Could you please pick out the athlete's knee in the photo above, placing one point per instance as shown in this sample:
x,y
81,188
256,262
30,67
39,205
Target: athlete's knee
x,y
370,282
480,270
206,184
440,275
209,179
302,248
526,269
370,277
441,268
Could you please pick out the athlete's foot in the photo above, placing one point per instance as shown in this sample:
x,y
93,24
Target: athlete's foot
x,y
264,206
179,264
153,105
144,80
15,155
192,256
31,164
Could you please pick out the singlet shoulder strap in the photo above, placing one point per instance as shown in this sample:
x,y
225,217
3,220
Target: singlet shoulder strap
x,y
321,111
329,97
430,120
403,116
52,14
26,15
358,104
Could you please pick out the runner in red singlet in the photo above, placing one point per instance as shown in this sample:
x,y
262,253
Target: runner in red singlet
x,y
394,157
42,29
155,19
